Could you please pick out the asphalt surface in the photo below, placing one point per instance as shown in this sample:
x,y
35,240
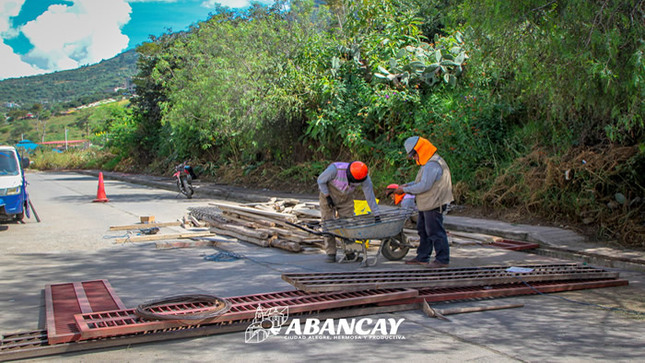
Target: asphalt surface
x,y
595,325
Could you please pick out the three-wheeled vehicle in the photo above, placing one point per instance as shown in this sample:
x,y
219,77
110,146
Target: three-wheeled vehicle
x,y
14,200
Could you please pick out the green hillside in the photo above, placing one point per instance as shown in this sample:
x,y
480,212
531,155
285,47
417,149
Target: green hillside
x,y
73,87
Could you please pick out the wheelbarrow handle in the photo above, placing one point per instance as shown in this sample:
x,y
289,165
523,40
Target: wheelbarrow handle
x,y
317,233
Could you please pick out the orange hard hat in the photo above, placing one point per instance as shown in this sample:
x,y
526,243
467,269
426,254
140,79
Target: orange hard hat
x,y
397,197
358,171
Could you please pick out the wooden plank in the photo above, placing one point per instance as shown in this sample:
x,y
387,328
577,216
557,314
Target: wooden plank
x,y
147,219
241,237
242,230
234,207
159,237
144,226
255,217
286,245
475,236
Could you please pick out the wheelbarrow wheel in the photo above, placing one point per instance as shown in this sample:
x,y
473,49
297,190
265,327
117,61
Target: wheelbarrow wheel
x,y
394,248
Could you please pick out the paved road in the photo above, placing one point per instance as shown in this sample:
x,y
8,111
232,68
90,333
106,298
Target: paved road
x,y
73,243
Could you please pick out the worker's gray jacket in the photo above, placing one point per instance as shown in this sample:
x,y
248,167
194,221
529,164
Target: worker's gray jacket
x,y
433,185
335,177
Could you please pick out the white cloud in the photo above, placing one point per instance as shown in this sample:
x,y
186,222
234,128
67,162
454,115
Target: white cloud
x,y
230,3
86,32
13,66
8,9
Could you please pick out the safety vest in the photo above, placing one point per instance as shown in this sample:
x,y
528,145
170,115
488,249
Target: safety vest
x,y
441,191
340,182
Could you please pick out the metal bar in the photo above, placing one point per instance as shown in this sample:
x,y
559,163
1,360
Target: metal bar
x,y
506,290
81,298
513,245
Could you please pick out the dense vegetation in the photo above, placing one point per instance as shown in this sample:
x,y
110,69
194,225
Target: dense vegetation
x,y
536,105
71,88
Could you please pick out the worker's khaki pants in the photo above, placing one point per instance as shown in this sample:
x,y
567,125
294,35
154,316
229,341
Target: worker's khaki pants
x,y
344,208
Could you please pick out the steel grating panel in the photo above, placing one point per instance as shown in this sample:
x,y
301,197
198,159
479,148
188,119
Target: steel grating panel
x,y
125,321
505,290
445,277
62,301
34,344
513,245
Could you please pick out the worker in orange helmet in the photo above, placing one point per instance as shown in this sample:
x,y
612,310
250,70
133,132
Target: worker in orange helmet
x,y
433,191
337,184
407,201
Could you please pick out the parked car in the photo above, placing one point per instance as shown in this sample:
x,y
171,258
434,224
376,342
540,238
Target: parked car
x,y
13,192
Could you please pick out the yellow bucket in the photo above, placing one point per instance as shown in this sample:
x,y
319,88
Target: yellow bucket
x,y
361,207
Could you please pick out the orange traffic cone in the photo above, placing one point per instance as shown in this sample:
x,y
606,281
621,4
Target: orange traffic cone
x,y
100,194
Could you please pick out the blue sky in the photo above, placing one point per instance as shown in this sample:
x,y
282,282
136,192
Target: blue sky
x,y
44,36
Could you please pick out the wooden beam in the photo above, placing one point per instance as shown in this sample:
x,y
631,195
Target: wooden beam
x,y
266,213
158,237
241,237
144,226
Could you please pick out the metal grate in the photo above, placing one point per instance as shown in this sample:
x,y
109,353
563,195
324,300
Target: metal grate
x,y
446,277
505,290
34,344
62,301
119,322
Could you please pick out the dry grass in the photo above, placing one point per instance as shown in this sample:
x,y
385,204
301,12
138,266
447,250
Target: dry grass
x,y
585,188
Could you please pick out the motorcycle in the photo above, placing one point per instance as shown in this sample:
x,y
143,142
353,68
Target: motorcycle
x,y
184,176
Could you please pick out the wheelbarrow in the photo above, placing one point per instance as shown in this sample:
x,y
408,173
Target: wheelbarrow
x,y
356,232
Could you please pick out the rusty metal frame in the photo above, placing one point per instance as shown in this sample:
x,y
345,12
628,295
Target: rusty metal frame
x,y
445,277
512,245
125,321
63,301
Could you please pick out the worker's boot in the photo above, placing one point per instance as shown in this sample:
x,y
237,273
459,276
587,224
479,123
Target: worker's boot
x,y
331,258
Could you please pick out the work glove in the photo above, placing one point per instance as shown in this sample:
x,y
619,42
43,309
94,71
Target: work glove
x,y
377,219
330,202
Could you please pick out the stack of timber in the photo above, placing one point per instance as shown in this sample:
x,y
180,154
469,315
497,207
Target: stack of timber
x,y
263,224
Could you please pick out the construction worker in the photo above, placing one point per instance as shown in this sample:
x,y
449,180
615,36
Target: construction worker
x,y
433,190
407,202
336,185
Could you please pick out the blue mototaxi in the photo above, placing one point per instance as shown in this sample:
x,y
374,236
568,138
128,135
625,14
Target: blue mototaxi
x,y
14,200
